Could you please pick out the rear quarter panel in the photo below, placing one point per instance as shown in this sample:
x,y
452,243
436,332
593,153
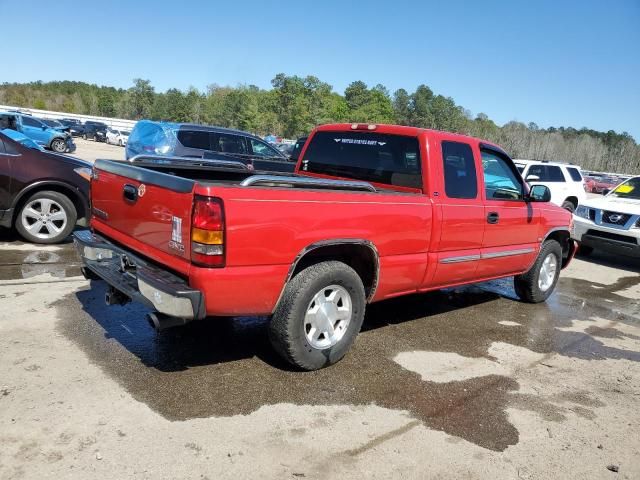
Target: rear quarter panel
x,y
267,228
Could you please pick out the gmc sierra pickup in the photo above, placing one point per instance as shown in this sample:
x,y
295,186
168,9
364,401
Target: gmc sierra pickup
x,y
371,212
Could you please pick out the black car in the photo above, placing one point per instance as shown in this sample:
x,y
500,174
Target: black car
x,y
76,129
297,148
55,124
95,130
42,194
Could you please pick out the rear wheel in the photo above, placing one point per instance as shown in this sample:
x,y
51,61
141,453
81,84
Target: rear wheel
x,y
538,283
46,217
319,315
84,136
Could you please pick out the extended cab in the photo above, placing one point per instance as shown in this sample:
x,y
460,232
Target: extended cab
x,y
372,212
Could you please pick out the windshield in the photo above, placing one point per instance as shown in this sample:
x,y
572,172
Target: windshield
x,y
628,189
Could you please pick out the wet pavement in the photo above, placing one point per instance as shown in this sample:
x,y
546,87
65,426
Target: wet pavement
x,y
226,367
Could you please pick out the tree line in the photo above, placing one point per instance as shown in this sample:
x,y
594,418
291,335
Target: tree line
x,y
294,105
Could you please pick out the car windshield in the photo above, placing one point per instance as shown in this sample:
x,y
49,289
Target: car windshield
x,y
628,189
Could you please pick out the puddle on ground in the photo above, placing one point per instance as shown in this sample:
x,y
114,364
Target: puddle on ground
x,y
225,366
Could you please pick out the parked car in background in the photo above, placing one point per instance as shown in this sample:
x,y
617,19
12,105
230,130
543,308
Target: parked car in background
x,y
97,131
202,141
373,212
54,124
604,183
117,137
43,195
21,139
297,148
76,128
285,148
564,180
611,222
42,134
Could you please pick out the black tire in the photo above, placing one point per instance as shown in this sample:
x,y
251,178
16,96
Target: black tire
x,y
84,136
120,143
585,250
59,145
287,327
61,201
526,285
568,205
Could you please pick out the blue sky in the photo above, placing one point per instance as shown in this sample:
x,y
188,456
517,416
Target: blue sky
x,y
571,63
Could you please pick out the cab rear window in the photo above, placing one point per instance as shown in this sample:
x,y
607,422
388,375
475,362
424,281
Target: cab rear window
x,y
372,157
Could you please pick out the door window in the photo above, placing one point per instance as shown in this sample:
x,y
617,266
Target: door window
x,y
194,139
460,179
501,180
262,149
231,144
31,122
546,173
575,174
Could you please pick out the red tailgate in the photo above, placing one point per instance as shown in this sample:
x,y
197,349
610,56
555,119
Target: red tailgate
x,y
150,207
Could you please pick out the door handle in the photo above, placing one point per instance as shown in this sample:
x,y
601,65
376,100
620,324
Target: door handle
x,y
493,217
130,193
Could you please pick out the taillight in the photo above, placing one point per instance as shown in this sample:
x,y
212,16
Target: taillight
x,y
207,232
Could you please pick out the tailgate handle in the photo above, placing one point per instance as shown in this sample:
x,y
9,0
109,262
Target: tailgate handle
x,y
130,193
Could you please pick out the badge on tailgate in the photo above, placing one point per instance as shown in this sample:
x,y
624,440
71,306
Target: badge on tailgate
x,y
176,235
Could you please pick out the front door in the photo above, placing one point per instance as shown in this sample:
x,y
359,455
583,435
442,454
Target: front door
x,y
33,129
510,243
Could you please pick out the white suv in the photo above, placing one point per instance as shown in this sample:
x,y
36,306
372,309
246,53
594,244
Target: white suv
x,y
611,222
564,180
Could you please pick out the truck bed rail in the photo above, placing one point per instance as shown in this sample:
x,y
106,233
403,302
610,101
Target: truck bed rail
x,y
190,161
291,181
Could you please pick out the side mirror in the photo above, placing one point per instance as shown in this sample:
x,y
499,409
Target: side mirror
x,y
532,178
539,193
606,191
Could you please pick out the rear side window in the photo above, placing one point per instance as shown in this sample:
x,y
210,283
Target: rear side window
x,y
372,157
459,170
226,143
575,174
546,173
194,139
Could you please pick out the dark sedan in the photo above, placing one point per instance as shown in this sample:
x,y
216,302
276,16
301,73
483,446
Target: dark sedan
x,y
43,195
95,130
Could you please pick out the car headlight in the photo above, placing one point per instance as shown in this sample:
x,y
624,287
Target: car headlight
x,y
582,211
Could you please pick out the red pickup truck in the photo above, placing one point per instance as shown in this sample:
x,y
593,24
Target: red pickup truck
x,y
372,212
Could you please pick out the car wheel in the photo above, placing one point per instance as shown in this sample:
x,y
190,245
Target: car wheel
x,y
585,250
319,315
120,143
567,205
538,283
59,145
84,136
46,217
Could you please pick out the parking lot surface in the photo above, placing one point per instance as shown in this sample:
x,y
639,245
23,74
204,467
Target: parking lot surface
x,y
90,151
463,383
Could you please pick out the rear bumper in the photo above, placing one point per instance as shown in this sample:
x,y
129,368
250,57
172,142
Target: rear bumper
x,y
139,279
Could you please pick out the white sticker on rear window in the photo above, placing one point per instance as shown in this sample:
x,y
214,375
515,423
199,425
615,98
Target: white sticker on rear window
x,y
359,141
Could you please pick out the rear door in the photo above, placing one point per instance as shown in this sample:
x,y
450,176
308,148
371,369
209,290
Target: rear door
x,y
509,244
462,215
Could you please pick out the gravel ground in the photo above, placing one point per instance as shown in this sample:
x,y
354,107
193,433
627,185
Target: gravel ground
x,y
90,151
466,383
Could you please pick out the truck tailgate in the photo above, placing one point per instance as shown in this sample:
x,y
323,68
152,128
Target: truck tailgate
x,y
152,207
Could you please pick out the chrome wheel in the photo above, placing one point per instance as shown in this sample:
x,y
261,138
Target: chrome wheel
x,y
328,316
547,273
59,145
44,218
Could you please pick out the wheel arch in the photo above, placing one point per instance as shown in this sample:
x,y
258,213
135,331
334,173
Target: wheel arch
x,y
562,235
359,254
573,199
75,195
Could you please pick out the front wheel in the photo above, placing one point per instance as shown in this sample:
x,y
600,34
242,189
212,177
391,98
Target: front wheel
x,y
46,217
538,283
59,145
84,136
319,315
